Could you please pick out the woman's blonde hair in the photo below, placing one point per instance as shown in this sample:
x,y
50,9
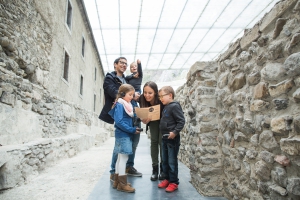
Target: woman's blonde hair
x,y
123,89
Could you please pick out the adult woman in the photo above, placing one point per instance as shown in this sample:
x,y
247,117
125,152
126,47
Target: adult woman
x,y
150,98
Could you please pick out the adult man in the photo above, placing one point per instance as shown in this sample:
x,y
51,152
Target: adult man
x,y
111,86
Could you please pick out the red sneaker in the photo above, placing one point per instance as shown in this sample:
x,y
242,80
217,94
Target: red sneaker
x,y
163,184
172,187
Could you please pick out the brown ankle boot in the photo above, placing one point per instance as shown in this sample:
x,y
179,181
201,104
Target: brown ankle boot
x,y
116,181
123,185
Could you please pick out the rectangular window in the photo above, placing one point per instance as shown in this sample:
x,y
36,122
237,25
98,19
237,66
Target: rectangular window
x,y
83,44
69,15
66,66
95,73
81,85
94,102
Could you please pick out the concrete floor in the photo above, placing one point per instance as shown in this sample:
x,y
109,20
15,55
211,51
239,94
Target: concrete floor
x,y
145,188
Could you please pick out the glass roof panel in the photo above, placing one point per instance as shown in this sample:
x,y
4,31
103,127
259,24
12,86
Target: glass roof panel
x,y
167,59
111,41
228,16
177,40
107,13
222,42
180,59
170,34
153,61
171,13
161,40
150,17
99,40
211,13
209,39
191,14
128,39
193,40
145,40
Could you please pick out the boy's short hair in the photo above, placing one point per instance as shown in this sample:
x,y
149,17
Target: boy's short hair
x,y
168,90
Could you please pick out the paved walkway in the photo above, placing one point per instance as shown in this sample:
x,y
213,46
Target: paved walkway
x,y
145,188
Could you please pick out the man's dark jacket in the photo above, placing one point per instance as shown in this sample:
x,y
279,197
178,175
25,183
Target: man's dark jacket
x,y
111,86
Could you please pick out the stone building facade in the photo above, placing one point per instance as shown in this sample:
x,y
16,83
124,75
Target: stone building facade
x,y
242,136
51,79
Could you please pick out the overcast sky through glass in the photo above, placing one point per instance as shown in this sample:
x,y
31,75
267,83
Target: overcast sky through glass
x,y
170,34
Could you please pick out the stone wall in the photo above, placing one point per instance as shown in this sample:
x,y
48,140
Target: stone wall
x,y
242,136
42,117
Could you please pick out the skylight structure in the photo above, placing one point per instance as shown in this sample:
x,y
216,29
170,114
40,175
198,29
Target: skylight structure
x,y
170,34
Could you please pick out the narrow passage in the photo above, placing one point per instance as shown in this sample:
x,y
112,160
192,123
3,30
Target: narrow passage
x,y
146,189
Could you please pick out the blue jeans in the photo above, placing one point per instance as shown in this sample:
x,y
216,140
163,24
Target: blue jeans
x,y
170,149
135,138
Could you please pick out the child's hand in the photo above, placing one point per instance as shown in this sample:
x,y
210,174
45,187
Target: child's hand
x,y
138,61
136,75
172,135
137,130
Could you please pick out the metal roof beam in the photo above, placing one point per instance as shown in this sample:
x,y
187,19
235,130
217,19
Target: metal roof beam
x,y
155,33
101,34
208,30
172,34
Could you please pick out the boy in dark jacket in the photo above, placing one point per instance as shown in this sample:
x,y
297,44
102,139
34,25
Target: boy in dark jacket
x,y
171,123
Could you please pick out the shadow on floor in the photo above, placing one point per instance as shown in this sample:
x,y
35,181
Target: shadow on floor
x,y
145,188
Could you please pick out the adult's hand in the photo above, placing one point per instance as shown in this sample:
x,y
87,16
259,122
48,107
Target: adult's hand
x,y
136,96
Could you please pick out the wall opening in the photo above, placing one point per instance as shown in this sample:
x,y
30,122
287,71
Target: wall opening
x,y
66,66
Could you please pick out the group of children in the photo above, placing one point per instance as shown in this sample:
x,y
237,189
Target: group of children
x,y
171,123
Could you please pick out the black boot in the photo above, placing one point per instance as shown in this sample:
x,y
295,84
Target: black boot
x,y
161,176
154,173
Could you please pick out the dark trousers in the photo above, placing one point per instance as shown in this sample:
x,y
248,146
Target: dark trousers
x,y
170,149
155,145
